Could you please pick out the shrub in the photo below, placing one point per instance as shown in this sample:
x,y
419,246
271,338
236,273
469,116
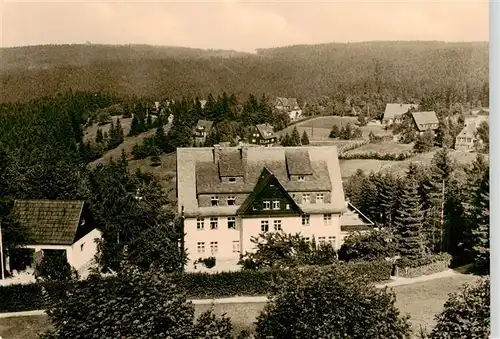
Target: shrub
x,y
318,303
54,266
281,250
425,260
17,298
155,161
225,284
368,246
207,262
134,305
466,314
21,297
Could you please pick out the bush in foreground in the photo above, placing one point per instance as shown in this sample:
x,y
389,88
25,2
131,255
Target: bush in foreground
x,y
368,246
466,314
330,303
135,305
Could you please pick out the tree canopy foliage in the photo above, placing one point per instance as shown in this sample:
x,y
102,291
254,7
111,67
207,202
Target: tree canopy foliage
x,y
329,303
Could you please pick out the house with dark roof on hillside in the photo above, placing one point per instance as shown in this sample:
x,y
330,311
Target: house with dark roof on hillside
x,y
227,195
262,134
394,112
203,128
425,121
290,106
52,226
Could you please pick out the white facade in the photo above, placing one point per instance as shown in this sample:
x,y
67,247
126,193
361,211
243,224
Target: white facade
x,y
226,244
80,254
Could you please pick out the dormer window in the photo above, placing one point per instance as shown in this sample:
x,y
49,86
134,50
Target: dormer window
x,y
214,201
300,178
231,201
320,198
232,179
306,198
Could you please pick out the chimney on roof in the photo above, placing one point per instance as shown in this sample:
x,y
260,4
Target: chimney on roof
x,y
216,153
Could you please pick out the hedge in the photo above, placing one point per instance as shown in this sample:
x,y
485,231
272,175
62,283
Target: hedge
x,y
15,298
430,264
378,156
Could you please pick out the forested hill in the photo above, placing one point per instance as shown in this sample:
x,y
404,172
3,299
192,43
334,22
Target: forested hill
x,y
403,69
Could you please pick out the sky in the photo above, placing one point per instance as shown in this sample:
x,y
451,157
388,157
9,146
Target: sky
x,y
239,25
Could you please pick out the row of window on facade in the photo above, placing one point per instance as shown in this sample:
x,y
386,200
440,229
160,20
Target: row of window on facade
x,y
231,222
214,245
306,199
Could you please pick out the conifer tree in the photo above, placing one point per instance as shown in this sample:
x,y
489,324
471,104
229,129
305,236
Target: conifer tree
x,y
305,139
295,137
408,221
389,197
334,133
480,226
442,166
160,139
119,131
135,128
285,141
99,136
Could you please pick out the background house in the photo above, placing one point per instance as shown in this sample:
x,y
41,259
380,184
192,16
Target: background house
x,y
203,128
466,140
262,134
394,112
425,121
290,106
229,195
56,226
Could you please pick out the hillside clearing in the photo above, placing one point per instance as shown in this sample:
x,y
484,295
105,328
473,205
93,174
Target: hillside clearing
x,y
390,147
91,131
127,145
319,128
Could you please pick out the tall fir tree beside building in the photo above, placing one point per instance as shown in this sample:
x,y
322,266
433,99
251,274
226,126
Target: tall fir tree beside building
x,y
408,221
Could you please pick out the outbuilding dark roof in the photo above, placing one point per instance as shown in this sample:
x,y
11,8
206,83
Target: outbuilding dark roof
x,y
49,222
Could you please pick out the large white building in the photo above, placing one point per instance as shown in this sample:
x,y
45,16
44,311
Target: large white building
x,y
230,194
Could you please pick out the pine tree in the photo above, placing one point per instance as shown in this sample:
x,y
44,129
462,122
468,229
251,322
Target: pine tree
x,y
305,139
389,197
334,133
119,131
99,136
480,220
285,140
295,137
135,128
160,139
149,121
408,222
442,166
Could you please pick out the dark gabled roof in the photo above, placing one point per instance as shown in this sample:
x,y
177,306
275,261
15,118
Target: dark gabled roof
x,y
205,124
423,118
266,177
208,181
291,102
266,131
49,222
298,162
230,163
